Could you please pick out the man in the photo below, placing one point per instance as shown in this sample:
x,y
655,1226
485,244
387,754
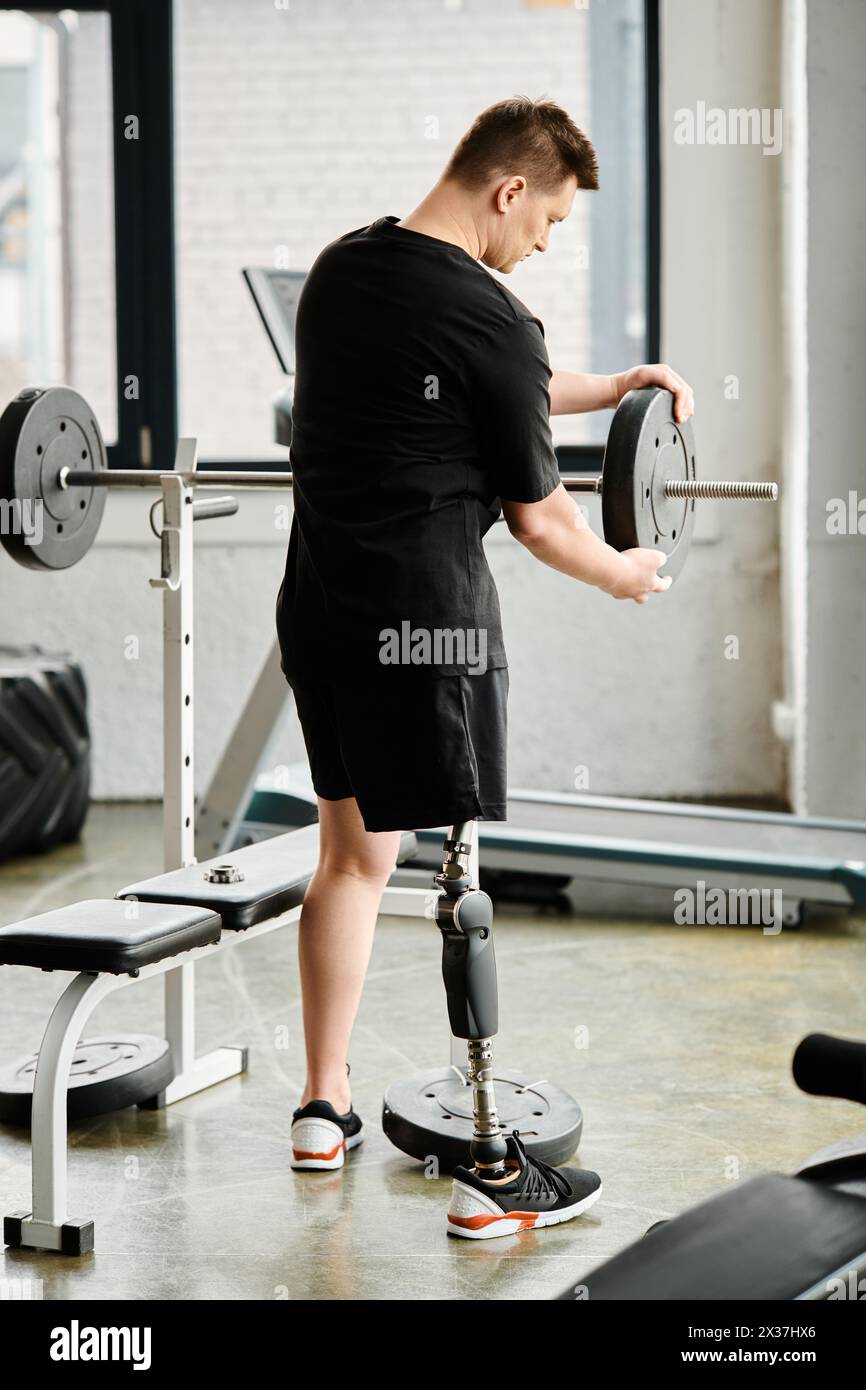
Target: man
x,y
422,404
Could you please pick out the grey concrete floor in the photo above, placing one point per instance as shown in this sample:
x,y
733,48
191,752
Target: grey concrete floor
x,y
676,1041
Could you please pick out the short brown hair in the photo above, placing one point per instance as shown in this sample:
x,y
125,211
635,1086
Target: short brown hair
x,y
521,136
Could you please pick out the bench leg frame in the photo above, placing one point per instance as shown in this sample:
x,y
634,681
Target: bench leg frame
x,y
47,1226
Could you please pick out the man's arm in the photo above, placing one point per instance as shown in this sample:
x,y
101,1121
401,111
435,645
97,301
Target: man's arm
x,y
574,393
556,532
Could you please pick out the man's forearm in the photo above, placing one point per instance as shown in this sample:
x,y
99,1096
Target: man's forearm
x,y
575,393
569,545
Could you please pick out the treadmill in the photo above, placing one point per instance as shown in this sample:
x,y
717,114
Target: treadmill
x,y
551,840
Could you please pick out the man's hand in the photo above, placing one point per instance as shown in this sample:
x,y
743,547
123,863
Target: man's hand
x,y
637,577
658,374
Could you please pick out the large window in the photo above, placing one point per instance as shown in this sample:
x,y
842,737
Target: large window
x,y
57,303
295,124
149,151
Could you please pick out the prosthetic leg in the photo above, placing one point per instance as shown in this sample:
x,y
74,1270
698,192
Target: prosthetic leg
x,y
450,1113
506,1190
464,916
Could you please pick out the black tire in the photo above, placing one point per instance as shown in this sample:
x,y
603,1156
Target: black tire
x,y
44,750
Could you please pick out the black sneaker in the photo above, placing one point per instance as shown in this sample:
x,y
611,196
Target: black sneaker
x,y
321,1137
538,1195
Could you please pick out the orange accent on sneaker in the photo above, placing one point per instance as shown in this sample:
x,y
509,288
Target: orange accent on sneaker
x,y
301,1153
527,1220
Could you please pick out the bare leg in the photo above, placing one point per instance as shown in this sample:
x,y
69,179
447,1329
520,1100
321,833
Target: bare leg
x,y
335,939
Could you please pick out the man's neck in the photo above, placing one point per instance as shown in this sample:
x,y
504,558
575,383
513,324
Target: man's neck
x,y
437,216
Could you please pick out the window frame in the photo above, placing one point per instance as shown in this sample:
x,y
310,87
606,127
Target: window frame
x,y
588,458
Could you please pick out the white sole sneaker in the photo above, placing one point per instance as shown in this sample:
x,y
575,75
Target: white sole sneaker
x,y
321,1144
474,1216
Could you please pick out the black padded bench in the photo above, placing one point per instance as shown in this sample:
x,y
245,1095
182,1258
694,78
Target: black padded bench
x,y
102,940
159,925
275,872
770,1238
103,935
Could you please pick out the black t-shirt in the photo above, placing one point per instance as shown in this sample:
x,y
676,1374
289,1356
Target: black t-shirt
x,y
421,399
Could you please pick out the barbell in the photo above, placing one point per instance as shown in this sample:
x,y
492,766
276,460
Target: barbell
x,y
54,473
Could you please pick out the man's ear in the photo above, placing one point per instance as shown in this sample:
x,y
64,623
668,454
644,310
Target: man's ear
x,y
509,189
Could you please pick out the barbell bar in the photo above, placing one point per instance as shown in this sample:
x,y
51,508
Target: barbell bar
x,y
699,487
572,482
52,453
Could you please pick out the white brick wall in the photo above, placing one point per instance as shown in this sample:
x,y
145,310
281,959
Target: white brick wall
x,y
294,127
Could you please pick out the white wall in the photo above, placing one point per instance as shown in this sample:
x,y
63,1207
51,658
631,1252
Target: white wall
x,y
295,125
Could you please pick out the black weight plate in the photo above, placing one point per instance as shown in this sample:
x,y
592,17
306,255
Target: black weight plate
x,y
431,1114
645,449
43,430
106,1074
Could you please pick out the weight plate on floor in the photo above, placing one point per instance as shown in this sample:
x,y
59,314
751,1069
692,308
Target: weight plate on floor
x,y
431,1114
646,448
43,525
106,1074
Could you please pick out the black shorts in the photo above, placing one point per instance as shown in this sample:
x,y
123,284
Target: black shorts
x,y
413,749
